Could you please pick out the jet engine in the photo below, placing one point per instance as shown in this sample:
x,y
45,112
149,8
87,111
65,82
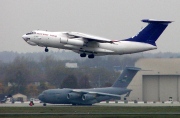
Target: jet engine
x,y
31,43
73,95
74,41
87,97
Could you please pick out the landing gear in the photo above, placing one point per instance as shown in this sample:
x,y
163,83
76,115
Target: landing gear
x,y
74,104
83,55
46,49
91,56
44,104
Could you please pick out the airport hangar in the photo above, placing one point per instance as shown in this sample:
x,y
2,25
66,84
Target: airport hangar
x,y
158,81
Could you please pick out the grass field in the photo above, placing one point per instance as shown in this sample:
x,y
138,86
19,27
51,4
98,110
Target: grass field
x,y
89,112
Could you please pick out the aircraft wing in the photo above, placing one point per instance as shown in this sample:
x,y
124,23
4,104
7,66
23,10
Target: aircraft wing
x,y
89,37
97,93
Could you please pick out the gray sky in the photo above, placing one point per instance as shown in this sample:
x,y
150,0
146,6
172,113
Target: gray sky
x,y
114,19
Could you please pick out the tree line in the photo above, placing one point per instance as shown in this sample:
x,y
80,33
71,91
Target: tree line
x,y
27,76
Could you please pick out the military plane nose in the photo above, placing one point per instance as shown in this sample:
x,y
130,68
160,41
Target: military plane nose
x,y
41,97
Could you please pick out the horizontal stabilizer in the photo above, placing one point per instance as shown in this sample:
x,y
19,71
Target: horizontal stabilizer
x,y
133,68
155,21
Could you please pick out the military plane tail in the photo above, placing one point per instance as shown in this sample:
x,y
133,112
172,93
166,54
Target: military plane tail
x,y
126,77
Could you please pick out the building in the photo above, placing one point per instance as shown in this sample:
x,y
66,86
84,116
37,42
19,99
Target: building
x,y
158,81
20,97
71,65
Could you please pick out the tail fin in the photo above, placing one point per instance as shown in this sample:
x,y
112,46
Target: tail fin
x,y
126,77
151,32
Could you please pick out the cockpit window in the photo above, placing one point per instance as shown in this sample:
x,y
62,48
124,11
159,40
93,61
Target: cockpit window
x,y
31,33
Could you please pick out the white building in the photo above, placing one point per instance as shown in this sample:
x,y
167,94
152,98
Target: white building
x,y
71,65
20,97
158,81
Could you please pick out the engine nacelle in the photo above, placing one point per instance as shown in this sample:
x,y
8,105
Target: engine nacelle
x,y
87,97
74,41
31,43
73,95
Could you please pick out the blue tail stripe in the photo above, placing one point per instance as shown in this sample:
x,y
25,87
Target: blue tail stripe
x,y
151,32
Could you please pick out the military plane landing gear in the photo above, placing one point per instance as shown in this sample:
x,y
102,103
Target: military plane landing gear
x,y
44,104
46,49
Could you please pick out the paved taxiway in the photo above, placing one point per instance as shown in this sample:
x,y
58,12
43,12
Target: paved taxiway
x,y
98,104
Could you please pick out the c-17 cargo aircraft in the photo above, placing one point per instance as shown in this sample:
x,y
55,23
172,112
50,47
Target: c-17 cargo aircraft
x,y
90,45
93,95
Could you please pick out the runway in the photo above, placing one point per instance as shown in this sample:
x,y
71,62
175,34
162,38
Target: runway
x,y
111,109
130,104
105,114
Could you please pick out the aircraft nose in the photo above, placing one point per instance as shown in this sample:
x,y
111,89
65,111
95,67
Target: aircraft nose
x,y
25,37
41,97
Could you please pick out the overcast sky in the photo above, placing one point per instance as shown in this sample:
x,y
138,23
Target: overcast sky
x,y
114,19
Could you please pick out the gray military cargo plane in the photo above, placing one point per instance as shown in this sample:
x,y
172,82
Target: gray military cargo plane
x,y
93,95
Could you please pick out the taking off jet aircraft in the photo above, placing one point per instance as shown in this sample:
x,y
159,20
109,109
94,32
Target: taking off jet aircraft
x,y
90,96
90,45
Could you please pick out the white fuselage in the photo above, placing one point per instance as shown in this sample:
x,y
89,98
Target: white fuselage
x,y
62,41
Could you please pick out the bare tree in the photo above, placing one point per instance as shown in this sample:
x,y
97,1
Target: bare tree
x,y
69,82
84,82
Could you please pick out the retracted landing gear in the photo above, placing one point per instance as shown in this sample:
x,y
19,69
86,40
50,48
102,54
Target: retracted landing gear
x,y
46,49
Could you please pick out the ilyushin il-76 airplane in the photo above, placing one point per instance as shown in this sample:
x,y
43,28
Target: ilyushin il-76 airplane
x,y
90,45
91,96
